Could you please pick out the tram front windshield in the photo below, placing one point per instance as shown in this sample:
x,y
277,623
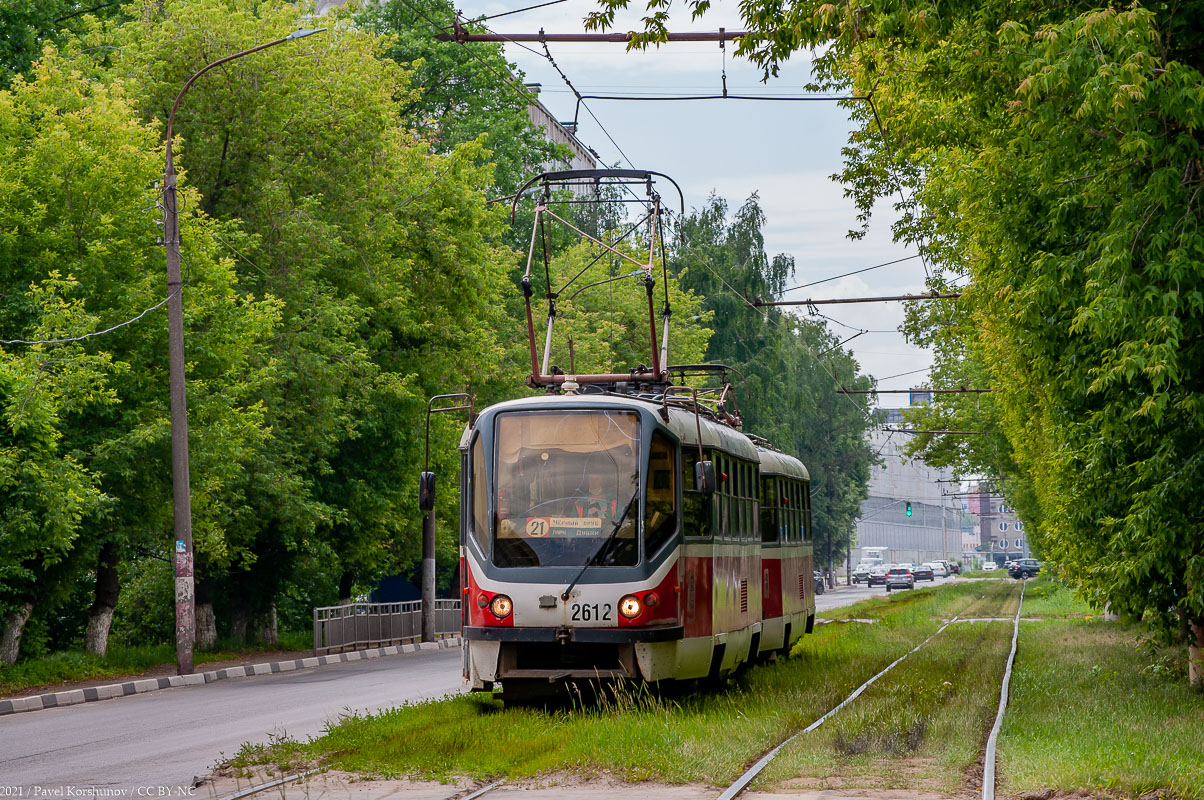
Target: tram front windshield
x,y
567,489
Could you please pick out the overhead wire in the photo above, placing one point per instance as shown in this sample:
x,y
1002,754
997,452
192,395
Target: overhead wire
x,y
854,272
94,333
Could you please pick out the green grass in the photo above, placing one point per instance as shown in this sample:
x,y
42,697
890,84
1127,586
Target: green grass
x,y
704,737
967,600
1045,597
921,726
76,665
1090,710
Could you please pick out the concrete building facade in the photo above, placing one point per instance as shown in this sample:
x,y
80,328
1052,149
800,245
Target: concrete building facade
x,y
934,528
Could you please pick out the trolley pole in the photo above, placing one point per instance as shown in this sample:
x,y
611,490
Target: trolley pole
x,y
428,576
182,553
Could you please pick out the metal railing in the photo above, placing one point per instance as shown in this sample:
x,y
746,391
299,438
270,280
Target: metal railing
x,y
356,625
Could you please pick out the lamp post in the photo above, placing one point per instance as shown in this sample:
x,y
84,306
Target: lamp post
x,y
181,500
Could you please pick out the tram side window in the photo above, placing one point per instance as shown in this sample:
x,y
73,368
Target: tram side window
x,y
790,511
660,504
695,506
480,497
807,532
769,510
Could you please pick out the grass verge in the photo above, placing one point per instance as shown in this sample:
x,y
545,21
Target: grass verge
x,y
989,598
704,737
1091,711
1047,598
701,737
76,665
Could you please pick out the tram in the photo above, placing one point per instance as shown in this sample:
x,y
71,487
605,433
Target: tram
x,y
620,527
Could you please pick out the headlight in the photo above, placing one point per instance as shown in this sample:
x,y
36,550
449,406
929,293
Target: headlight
x,y
501,606
630,606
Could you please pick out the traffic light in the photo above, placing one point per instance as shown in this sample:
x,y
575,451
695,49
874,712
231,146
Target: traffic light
x,y
909,508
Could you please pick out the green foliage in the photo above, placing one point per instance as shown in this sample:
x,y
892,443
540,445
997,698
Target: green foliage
x,y
790,366
461,93
30,25
1051,156
145,613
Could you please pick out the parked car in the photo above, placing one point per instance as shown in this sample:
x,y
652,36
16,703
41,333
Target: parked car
x,y
820,587
924,572
862,572
1024,568
878,576
990,566
955,568
900,578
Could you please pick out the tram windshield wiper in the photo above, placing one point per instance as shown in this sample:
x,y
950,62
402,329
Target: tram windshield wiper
x,y
602,549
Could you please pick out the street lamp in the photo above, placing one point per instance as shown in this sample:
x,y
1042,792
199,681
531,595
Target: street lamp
x,y
181,501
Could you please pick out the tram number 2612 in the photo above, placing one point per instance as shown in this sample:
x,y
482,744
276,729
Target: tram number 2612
x,y
587,612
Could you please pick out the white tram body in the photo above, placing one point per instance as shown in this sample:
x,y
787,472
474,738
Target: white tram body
x,y
587,552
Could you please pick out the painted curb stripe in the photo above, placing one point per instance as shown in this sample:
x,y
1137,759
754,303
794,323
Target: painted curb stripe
x,y
95,693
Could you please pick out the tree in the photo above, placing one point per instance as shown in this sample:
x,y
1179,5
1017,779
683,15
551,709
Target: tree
x,y
46,493
460,93
78,173
1053,158
386,260
789,367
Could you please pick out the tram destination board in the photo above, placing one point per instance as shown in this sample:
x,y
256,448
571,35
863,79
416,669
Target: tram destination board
x,y
562,527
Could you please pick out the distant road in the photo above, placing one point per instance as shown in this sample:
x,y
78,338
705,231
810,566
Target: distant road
x,y
164,739
847,595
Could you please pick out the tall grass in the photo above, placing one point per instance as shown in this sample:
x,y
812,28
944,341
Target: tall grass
x,y
635,735
919,727
1092,711
706,736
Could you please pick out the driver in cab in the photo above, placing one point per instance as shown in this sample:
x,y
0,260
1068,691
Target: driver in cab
x,y
600,502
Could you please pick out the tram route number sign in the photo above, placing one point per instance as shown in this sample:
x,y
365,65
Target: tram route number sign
x,y
562,527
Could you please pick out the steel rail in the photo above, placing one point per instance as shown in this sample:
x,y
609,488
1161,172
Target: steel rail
x,y
988,772
270,784
742,782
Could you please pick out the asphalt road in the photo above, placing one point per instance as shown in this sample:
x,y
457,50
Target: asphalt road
x,y
160,741
847,595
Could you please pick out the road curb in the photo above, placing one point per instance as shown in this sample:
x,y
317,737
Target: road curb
x,y
93,694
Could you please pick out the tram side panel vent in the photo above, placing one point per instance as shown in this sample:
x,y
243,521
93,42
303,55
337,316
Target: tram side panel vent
x,y
743,596
802,587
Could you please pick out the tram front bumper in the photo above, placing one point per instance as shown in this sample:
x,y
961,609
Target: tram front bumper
x,y
657,633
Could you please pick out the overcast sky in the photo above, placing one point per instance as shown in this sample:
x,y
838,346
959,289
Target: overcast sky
x,y
784,151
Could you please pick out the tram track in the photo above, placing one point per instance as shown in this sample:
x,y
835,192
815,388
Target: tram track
x,y
988,789
741,784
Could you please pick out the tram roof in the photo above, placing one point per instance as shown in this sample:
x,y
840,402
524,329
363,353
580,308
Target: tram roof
x,y
681,422
775,463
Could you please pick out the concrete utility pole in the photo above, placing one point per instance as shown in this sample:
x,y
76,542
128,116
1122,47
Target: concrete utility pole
x,y
181,498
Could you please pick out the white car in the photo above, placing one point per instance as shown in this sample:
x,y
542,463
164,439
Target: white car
x,y
939,569
990,566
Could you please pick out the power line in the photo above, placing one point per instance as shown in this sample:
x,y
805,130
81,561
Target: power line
x,y
847,274
901,374
520,10
95,333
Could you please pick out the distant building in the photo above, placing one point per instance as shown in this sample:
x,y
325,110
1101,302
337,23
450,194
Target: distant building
x,y
558,132
934,528
1003,536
